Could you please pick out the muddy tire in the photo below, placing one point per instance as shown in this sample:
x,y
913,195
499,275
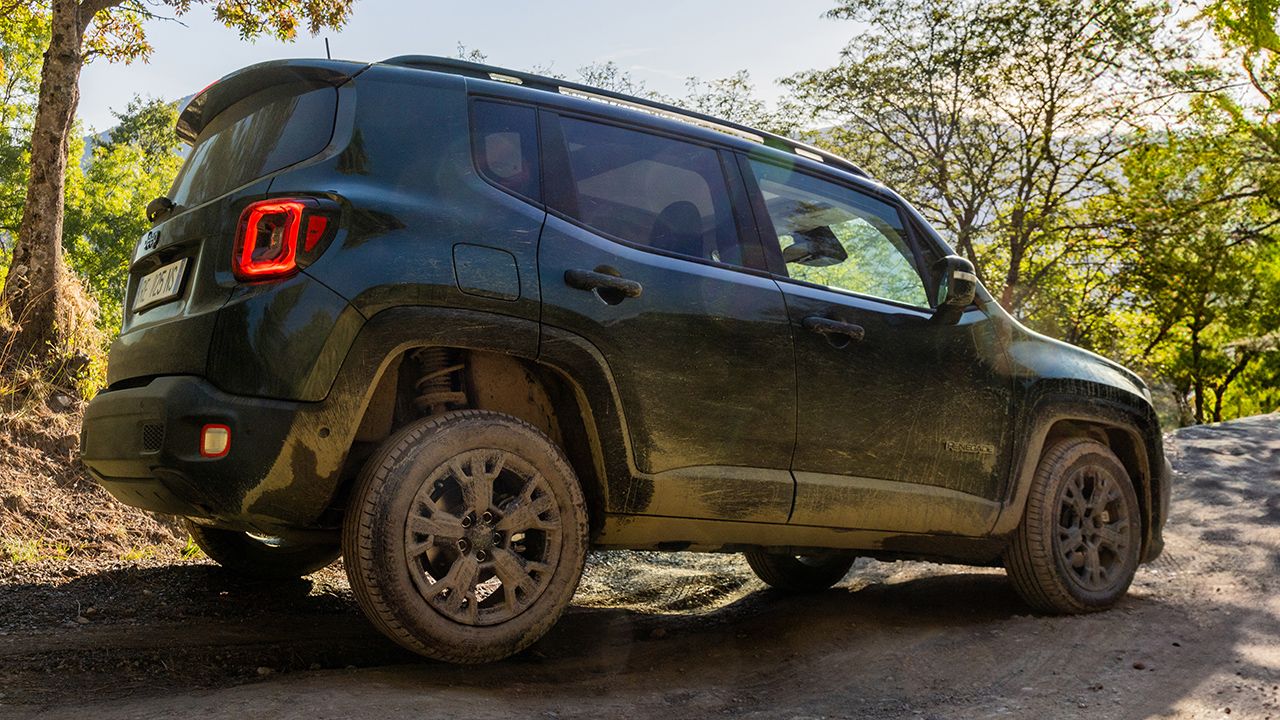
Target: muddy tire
x,y
1077,547
465,536
799,573
263,558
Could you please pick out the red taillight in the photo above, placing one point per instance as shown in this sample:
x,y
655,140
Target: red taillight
x,y
316,225
267,241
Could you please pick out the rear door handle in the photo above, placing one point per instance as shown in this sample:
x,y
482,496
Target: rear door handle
x,y
834,330
594,280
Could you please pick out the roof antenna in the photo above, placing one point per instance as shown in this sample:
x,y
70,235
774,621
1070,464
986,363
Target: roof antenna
x,y
326,49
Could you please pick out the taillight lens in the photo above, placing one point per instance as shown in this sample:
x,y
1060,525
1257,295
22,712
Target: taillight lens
x,y
277,237
267,241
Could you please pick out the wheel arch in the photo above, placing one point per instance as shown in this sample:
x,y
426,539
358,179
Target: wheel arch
x,y
1130,429
566,391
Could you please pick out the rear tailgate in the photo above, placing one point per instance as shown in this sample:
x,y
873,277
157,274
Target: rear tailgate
x,y
243,129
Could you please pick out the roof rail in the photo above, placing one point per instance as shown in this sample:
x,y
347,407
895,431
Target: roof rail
x,y
653,107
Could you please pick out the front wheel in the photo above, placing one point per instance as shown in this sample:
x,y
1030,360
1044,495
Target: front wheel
x,y
1077,547
261,557
465,536
799,573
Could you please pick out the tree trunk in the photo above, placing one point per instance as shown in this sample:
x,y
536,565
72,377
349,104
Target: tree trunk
x,y
32,287
1009,296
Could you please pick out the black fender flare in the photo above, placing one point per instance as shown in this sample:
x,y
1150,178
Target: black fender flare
x,y
1101,406
322,433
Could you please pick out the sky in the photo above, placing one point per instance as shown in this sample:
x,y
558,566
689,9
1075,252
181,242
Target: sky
x,y
659,42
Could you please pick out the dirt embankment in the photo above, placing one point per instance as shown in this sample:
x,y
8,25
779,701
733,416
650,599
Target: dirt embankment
x,y
51,511
680,635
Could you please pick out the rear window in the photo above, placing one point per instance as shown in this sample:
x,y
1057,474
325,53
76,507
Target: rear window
x,y
505,143
267,131
648,190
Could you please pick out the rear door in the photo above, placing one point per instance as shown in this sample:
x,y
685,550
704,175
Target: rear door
x,y
642,255
901,418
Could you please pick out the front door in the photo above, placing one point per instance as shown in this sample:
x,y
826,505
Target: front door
x,y
643,257
901,418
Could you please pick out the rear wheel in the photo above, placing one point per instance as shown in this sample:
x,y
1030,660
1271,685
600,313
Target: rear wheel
x,y
799,573
262,557
465,536
1077,547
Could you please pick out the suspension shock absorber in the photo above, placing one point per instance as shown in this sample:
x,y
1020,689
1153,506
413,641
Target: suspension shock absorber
x,y
441,385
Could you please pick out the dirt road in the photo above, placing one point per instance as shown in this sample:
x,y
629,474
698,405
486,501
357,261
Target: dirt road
x,y
676,636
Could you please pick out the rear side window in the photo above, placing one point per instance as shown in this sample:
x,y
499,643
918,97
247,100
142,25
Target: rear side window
x,y
265,132
505,143
648,190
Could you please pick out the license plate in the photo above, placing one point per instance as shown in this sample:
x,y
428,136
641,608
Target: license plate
x,y
160,285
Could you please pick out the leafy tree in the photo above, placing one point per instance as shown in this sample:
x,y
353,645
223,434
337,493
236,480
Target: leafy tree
x,y
1202,275
23,36
1247,29
734,98
997,118
104,221
81,30
610,76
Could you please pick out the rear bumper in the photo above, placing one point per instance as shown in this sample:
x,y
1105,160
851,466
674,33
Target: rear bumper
x,y
142,445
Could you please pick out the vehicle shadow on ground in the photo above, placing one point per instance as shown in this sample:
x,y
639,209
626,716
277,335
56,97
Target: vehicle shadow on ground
x,y
167,629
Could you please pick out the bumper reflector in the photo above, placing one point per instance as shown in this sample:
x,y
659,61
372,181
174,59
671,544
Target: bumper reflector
x,y
215,441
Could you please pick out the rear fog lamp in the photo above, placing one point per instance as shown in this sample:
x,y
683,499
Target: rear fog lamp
x,y
215,441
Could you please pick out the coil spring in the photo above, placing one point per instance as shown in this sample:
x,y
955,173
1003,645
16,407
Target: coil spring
x,y
440,385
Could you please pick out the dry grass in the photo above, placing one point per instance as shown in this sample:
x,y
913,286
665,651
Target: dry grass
x,y
50,509
75,365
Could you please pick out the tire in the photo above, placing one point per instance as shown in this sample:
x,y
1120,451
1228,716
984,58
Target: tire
x,y
1062,559
465,536
799,573
262,558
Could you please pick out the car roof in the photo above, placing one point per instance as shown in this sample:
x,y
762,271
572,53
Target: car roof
x,y
601,96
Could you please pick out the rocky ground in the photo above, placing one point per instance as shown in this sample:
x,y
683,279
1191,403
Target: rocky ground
x,y
674,635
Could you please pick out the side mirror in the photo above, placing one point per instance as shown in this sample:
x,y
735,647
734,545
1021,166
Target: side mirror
x,y
818,247
957,285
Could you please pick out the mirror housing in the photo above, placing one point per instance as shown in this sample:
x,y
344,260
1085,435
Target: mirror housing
x,y
957,286
818,247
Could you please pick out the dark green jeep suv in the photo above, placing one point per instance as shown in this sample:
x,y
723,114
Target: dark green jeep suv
x,y
459,324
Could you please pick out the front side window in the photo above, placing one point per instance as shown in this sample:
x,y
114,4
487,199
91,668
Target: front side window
x,y
505,143
837,237
648,190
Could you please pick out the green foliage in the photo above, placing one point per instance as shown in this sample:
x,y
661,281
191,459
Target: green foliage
x,y
1246,24
190,550
106,217
118,31
1200,263
997,118
734,98
23,36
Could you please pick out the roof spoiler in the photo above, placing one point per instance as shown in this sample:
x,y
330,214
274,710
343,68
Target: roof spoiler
x,y
221,94
564,87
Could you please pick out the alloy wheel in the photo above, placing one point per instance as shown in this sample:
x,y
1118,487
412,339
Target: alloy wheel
x,y
482,537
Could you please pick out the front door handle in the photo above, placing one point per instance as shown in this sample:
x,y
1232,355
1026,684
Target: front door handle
x,y
596,281
836,332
